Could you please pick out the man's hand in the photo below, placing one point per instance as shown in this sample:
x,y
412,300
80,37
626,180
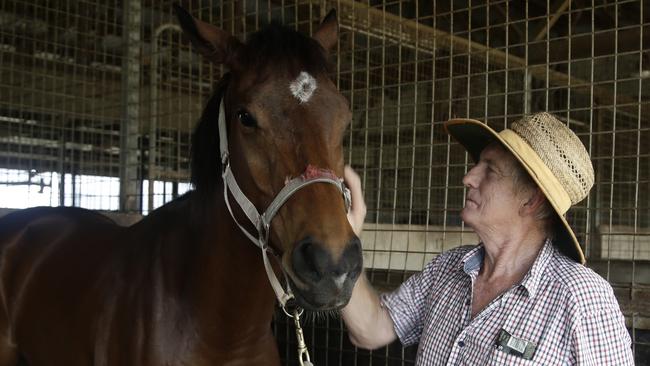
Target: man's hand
x,y
369,324
357,213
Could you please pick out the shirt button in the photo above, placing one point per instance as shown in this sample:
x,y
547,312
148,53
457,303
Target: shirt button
x,y
461,344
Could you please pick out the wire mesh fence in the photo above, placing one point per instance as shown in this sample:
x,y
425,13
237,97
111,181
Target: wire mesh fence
x,y
98,99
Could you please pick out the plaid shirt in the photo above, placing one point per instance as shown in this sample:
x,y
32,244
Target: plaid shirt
x,y
566,310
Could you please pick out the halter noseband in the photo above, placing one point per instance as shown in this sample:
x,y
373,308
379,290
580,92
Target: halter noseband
x,y
262,222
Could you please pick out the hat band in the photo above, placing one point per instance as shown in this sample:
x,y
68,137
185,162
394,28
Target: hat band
x,y
547,181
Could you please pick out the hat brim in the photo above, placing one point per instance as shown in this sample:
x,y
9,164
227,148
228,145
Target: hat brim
x,y
474,136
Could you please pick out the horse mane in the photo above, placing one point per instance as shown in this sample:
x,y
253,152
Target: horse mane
x,y
276,46
205,159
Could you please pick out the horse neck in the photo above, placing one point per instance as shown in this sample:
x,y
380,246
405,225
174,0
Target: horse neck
x,y
237,286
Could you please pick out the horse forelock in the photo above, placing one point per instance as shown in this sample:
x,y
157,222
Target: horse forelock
x,y
281,48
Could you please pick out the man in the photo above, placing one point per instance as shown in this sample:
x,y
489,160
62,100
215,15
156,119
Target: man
x,y
522,296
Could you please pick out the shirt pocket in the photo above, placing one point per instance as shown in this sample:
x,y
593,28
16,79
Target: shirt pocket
x,y
499,358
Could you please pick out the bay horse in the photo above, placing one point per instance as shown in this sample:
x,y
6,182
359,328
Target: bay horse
x,y
185,285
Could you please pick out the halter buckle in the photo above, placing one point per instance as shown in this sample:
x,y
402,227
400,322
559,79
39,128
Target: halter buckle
x,y
347,196
225,161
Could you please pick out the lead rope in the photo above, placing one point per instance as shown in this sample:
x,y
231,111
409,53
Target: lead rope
x,y
262,223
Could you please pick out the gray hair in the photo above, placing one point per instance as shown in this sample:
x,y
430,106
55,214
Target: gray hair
x,y
524,183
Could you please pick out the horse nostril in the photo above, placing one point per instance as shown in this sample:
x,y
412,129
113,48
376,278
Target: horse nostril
x,y
309,260
313,263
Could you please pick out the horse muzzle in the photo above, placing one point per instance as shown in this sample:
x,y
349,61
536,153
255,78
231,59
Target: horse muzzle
x,y
319,280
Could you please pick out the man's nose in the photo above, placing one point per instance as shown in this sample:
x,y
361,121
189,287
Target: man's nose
x,y
469,180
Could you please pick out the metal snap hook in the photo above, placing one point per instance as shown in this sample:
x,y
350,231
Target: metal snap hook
x,y
303,353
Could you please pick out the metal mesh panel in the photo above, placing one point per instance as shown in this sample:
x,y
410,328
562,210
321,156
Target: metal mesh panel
x,y
98,100
60,93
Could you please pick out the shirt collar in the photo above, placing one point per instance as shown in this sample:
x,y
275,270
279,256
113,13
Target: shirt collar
x,y
473,260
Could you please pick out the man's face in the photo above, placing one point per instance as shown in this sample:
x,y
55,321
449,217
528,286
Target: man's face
x,y
491,203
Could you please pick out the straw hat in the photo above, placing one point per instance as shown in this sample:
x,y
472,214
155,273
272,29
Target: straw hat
x,y
550,152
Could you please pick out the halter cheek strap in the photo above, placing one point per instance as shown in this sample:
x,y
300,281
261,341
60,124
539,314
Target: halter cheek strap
x,y
262,222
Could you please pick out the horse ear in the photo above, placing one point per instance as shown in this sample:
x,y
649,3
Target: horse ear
x,y
327,33
216,45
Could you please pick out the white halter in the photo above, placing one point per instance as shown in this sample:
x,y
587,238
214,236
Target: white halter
x,y
262,222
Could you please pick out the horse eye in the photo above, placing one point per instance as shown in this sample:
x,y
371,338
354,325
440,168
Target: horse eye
x,y
246,119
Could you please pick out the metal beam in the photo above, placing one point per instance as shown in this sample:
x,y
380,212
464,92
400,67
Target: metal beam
x,y
359,17
130,189
153,126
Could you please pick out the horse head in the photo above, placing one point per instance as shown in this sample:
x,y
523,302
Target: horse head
x,y
284,119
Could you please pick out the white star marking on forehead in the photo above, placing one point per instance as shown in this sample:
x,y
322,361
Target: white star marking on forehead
x,y
303,87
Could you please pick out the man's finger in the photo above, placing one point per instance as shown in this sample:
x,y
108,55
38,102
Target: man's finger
x,y
357,213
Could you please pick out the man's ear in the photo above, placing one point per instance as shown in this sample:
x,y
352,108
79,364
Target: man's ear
x,y
533,201
213,43
327,33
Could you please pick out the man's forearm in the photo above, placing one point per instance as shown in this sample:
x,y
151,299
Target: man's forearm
x,y
369,324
